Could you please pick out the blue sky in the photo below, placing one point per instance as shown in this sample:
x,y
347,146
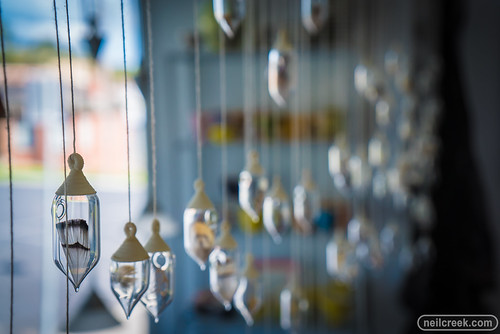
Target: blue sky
x,y
29,22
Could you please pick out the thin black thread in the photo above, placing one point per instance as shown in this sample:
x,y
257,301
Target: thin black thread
x,y
126,108
71,77
11,200
64,155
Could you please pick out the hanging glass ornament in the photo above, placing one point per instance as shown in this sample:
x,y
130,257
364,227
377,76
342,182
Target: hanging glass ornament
x,y
252,186
129,271
338,165
160,292
368,82
248,296
280,70
200,224
314,15
362,235
306,203
229,14
224,267
276,211
360,172
293,306
340,257
75,224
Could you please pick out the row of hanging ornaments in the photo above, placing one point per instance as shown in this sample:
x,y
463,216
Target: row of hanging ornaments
x,y
75,209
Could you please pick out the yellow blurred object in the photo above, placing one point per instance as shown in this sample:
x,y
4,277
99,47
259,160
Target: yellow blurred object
x,y
247,224
216,134
336,302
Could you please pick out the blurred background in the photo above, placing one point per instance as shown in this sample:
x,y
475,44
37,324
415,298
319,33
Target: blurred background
x,y
393,107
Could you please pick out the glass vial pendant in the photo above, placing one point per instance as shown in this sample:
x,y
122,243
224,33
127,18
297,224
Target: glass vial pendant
x,y
314,14
362,235
276,211
229,14
248,296
293,307
338,165
129,271
160,292
200,224
306,203
224,267
75,224
280,70
252,186
340,257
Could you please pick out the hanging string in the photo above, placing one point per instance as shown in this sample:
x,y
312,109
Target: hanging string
x,y
71,78
152,105
197,73
126,108
223,122
264,121
64,156
11,200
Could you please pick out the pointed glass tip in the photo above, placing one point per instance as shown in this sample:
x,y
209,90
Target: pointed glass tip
x,y
157,320
77,289
227,306
203,267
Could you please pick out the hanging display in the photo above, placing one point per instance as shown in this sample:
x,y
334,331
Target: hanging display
x,y
277,215
338,165
314,14
280,70
224,267
252,186
229,14
160,292
200,224
340,257
129,271
362,235
293,306
306,203
248,296
75,224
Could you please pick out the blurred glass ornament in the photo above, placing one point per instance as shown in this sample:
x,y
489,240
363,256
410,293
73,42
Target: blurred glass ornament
x,y
293,306
248,296
314,14
223,269
229,14
129,271
252,186
340,257
200,224
160,292
368,82
422,211
379,184
306,203
362,235
276,212
390,242
75,224
431,111
383,112
281,78
338,165
360,172
379,150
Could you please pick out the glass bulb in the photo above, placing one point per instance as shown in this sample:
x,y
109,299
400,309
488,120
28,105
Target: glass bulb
x,y
75,235
340,257
293,307
200,224
306,203
224,274
362,235
338,165
129,282
314,14
276,211
379,150
252,186
229,14
368,82
248,295
160,292
280,70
